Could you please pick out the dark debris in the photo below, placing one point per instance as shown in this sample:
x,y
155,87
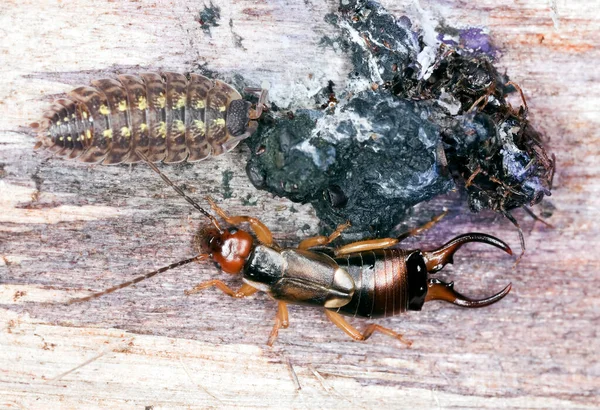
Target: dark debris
x,y
416,134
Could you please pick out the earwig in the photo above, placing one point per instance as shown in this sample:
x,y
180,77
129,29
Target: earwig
x,y
167,116
369,279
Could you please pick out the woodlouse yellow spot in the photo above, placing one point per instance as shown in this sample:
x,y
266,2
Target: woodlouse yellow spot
x,y
162,129
122,106
81,137
199,105
125,132
222,108
142,103
66,119
219,121
180,103
180,126
199,124
61,138
107,133
84,114
58,123
143,127
88,134
104,110
69,139
161,100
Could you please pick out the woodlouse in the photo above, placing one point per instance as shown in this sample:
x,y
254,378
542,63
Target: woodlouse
x,y
167,116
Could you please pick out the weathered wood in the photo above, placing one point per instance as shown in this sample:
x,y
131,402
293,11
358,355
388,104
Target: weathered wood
x,y
67,229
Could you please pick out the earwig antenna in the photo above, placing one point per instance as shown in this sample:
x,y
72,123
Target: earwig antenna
x,y
179,191
138,279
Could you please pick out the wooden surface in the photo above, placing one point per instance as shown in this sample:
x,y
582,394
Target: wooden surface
x,y
67,229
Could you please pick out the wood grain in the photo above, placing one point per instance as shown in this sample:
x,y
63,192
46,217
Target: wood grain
x,y
67,229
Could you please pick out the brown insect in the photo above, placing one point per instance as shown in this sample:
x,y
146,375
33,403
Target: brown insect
x,y
167,116
366,279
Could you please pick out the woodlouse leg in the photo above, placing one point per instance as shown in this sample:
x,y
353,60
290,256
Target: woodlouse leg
x,y
423,228
351,331
281,321
245,290
263,234
234,141
323,240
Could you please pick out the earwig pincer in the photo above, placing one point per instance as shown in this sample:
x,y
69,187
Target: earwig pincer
x,y
369,278
169,117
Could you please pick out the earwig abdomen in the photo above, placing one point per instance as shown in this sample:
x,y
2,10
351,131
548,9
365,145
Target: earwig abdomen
x,y
167,116
387,282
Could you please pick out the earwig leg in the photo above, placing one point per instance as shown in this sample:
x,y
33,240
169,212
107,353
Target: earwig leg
x,y
323,240
422,228
245,290
282,321
351,331
383,243
263,234
367,245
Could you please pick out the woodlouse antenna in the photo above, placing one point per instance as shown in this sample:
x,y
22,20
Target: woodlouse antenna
x,y
179,191
262,101
138,279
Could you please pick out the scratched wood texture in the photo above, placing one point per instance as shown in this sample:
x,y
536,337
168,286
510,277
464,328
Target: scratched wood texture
x,y
68,228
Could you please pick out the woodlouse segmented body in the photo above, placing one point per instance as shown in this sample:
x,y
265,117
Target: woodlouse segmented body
x,y
167,116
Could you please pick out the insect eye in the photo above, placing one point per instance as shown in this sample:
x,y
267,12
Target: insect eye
x,y
336,196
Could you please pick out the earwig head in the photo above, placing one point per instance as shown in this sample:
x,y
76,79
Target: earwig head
x,y
433,261
229,248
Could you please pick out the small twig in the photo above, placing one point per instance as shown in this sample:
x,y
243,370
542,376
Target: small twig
x,y
293,373
201,387
60,376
